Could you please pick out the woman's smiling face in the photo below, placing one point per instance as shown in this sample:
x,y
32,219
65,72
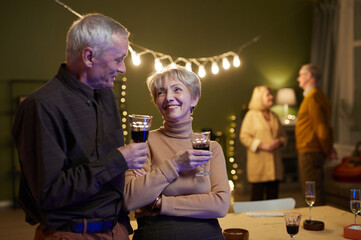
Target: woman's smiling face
x,y
174,100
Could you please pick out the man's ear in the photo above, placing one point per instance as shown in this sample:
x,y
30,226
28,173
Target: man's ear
x,y
88,56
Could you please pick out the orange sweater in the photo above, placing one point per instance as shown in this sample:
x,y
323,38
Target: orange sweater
x,y
313,127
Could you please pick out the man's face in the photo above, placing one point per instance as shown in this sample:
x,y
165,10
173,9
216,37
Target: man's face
x,y
106,67
304,78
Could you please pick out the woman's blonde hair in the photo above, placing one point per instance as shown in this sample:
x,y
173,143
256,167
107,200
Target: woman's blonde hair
x,y
188,78
256,102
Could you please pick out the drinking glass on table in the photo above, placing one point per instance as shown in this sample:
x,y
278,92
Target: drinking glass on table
x,y
139,127
292,220
201,141
355,202
310,194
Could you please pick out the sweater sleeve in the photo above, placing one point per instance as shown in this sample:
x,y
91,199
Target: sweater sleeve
x,y
320,124
212,204
141,191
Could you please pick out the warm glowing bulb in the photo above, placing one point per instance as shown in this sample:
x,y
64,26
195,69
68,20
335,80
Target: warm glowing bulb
x,y
231,185
135,58
201,71
215,68
236,61
173,65
189,66
158,65
225,63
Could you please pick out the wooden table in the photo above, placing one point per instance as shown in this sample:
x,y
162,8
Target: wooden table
x,y
274,228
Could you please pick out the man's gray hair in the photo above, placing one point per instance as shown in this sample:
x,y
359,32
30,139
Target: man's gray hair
x,y
315,72
92,30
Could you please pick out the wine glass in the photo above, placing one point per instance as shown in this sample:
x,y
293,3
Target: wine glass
x,y
139,127
292,220
201,141
355,202
310,194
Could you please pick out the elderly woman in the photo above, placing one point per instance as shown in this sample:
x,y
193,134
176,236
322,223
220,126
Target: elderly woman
x,y
263,136
171,201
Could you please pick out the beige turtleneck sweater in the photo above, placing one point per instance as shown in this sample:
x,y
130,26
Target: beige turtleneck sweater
x,y
182,194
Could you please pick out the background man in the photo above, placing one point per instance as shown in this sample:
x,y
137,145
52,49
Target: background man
x,y
314,140
70,140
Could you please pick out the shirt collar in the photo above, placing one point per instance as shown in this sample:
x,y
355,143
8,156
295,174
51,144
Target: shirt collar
x,y
74,84
307,90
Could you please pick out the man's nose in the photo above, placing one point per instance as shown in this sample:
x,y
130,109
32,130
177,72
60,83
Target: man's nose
x,y
121,67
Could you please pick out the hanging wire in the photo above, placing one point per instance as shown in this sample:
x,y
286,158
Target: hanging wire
x,y
162,58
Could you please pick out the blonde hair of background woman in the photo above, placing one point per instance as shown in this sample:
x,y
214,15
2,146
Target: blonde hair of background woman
x,y
256,102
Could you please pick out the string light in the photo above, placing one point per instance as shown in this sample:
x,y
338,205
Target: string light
x,y
225,63
234,168
187,62
161,58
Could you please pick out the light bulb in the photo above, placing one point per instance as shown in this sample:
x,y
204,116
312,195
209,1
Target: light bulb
x,y
158,65
135,58
201,71
173,65
225,63
215,68
189,66
236,61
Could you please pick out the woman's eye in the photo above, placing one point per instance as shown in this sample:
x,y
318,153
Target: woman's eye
x,y
160,93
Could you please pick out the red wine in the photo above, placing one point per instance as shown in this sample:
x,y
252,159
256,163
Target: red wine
x,y
201,146
139,136
292,229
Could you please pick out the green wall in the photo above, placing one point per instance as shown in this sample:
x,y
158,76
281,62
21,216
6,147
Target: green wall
x,y
33,42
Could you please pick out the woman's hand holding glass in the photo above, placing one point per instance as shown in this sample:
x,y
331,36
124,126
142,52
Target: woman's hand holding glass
x,y
191,159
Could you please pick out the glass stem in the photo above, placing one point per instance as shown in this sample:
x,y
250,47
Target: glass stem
x,y
355,217
310,212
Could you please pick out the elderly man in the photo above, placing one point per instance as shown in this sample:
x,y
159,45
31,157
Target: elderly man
x,y
70,140
314,140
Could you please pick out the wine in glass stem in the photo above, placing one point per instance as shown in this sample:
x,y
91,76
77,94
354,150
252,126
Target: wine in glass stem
x,y
201,141
292,220
310,194
355,202
139,127
310,199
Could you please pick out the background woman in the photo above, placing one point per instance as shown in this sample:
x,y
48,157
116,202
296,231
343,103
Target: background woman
x,y
263,136
172,202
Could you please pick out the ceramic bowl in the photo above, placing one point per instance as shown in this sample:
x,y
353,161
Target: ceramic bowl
x,y
235,234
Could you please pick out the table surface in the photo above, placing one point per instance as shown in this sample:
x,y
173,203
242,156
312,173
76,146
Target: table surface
x,y
274,228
